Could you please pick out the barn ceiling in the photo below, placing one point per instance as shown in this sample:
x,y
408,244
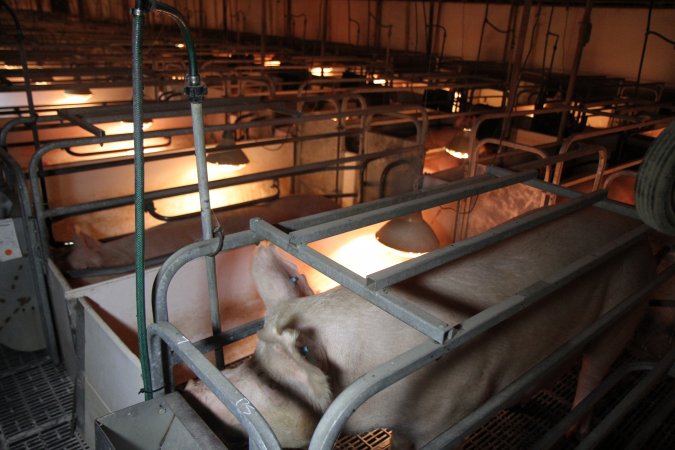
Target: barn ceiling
x,y
596,3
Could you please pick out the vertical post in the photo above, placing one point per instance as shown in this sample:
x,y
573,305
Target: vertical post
x,y
263,33
517,62
582,40
225,20
289,20
324,27
644,46
430,33
378,24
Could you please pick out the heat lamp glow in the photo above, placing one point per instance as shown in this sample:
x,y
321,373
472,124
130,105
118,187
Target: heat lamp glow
x,y
77,96
321,71
359,251
219,170
179,45
123,127
456,154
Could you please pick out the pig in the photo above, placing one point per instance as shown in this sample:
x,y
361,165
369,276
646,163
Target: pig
x,y
312,348
89,253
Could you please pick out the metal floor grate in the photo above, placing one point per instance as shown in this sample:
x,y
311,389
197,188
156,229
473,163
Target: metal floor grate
x,y
37,403
520,427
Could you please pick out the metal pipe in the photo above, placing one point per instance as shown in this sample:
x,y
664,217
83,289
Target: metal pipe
x,y
207,228
582,40
545,368
408,269
624,407
557,175
644,47
516,67
586,405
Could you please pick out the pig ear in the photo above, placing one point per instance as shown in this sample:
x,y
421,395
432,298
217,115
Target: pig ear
x,y
296,277
276,282
278,355
86,251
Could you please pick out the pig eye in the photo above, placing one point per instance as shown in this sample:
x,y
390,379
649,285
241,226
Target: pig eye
x,y
294,279
304,350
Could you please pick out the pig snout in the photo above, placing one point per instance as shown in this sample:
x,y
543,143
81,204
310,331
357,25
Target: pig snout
x,y
292,421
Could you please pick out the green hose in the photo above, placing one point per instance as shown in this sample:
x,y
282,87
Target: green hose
x,y
137,76
185,32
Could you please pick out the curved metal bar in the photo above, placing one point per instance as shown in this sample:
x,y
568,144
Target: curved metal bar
x,y
150,207
525,148
583,408
259,431
622,409
598,133
622,173
36,255
473,150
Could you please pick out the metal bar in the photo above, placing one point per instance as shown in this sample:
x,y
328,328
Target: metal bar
x,y
211,343
207,227
253,422
403,310
454,435
582,39
585,407
394,370
226,182
93,129
408,269
633,397
235,240
651,425
608,205
446,195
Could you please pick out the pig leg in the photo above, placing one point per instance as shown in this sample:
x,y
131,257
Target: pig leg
x,y
598,359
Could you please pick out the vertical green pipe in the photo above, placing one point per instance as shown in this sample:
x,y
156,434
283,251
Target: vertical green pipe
x,y
139,187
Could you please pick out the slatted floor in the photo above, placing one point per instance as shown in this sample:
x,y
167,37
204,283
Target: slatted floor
x,y
36,403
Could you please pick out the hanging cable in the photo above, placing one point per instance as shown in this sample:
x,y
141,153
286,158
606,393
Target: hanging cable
x,y
138,14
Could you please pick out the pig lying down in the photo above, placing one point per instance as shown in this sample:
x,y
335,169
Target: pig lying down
x,y
89,253
312,348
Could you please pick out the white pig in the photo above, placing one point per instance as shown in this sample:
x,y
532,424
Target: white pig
x,y
164,239
311,348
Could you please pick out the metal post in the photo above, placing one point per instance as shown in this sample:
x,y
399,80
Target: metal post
x,y
584,37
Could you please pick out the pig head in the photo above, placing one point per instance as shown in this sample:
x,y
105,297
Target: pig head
x,y
311,348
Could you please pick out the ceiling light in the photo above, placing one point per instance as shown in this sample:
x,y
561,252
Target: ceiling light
x,y
410,234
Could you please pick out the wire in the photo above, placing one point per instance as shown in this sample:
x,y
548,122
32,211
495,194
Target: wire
x,y
564,39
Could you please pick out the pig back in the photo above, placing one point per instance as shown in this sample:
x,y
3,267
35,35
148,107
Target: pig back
x,y
358,337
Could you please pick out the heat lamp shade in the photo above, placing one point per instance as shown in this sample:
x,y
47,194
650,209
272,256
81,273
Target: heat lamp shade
x,y
460,145
78,91
226,152
409,234
233,157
